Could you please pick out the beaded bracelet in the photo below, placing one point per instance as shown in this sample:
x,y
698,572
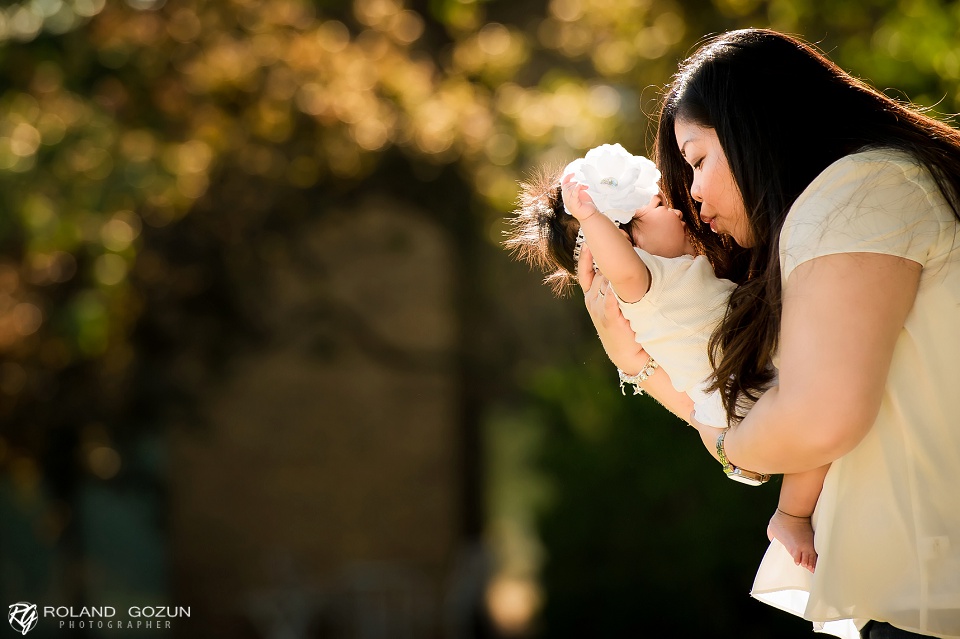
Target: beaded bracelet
x,y
636,380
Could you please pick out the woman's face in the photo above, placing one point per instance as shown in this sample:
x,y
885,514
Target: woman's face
x,y
713,184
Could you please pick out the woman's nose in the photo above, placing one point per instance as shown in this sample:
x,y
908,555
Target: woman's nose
x,y
695,191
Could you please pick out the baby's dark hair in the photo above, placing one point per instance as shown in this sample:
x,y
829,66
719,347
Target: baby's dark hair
x,y
541,232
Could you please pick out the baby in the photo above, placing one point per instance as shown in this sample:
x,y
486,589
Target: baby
x,y
665,286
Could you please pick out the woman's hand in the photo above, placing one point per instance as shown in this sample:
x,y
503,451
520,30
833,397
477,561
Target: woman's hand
x,y
618,339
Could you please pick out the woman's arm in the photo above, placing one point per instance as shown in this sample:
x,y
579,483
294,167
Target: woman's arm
x,y
841,317
619,341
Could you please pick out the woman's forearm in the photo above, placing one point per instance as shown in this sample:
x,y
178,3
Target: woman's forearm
x,y
659,386
772,439
619,340
842,315
661,389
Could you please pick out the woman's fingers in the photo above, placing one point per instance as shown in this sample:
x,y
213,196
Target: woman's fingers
x,y
611,305
618,339
596,299
601,303
585,272
596,289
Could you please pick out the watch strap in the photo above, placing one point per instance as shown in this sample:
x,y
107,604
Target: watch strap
x,y
734,472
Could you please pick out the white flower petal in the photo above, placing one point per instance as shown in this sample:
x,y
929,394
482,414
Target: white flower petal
x,y
618,182
628,177
591,176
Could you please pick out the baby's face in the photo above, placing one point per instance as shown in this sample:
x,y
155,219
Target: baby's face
x,y
659,230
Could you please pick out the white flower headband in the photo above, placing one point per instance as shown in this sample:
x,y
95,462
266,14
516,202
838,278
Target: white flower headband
x,y
619,183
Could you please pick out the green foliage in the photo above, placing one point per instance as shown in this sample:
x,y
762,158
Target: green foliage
x,y
642,526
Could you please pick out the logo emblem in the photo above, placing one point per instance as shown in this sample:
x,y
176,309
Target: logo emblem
x,y
23,617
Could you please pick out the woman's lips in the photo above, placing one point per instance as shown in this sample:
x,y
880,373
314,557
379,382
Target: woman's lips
x,y
711,221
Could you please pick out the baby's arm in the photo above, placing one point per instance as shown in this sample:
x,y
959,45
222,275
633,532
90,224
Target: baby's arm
x,y
790,525
610,246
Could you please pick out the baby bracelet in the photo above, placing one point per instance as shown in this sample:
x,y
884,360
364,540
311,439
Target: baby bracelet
x,y
636,380
783,512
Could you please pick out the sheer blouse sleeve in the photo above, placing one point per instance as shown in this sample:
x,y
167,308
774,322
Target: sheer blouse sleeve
x,y
879,201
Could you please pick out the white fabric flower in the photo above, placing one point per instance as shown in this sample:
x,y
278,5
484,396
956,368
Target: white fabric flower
x,y
619,182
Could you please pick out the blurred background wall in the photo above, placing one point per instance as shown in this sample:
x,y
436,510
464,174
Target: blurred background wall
x,y
262,355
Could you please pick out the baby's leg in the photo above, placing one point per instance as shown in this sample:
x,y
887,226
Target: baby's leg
x,y
790,525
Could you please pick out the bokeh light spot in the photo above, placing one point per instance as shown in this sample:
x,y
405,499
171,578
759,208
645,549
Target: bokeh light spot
x,y
104,462
604,101
110,269
501,148
26,318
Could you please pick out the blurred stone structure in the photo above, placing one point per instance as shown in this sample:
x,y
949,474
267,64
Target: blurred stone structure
x,y
322,497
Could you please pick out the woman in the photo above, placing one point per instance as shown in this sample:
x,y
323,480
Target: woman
x,y
840,344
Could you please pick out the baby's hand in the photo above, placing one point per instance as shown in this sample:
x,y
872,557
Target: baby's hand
x,y
576,199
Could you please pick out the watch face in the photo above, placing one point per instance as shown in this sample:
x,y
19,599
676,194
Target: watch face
x,y
737,474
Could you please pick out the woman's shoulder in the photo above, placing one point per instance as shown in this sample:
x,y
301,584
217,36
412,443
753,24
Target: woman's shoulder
x,y
869,164
878,200
879,155
871,179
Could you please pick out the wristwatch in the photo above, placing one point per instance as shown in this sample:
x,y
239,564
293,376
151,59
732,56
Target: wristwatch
x,y
741,475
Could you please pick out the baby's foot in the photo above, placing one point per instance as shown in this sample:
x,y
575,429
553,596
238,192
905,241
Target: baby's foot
x,y
796,535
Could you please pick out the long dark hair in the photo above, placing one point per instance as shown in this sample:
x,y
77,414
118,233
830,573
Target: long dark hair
x,y
782,112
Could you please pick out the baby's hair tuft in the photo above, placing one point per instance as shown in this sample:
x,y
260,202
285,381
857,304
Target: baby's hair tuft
x,y
541,233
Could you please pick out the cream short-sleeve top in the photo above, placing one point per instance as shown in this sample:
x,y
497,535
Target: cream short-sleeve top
x,y
888,519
